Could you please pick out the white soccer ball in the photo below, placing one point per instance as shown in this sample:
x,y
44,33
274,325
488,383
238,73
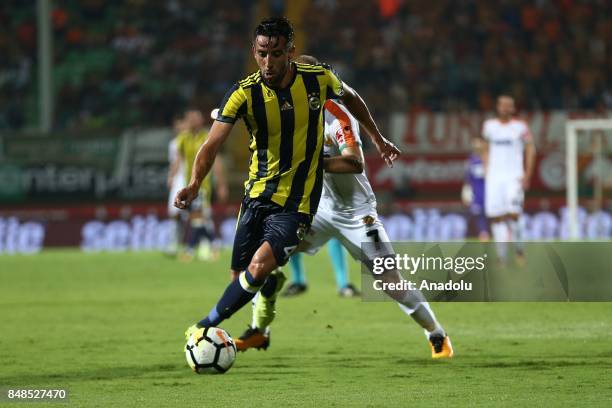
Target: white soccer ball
x,y
210,351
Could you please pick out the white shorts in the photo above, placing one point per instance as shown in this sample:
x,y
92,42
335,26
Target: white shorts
x,y
351,231
177,184
503,197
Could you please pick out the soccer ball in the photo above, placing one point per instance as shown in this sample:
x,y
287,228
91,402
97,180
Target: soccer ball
x,y
210,350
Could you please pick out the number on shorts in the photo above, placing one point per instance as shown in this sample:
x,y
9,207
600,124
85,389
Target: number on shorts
x,y
376,238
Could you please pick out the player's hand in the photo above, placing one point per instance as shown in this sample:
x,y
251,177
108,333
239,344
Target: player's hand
x,y
388,151
185,196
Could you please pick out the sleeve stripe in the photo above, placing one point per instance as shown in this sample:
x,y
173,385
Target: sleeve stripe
x,y
226,98
345,122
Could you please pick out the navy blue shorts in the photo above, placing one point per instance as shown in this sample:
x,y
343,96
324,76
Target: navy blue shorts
x,y
266,221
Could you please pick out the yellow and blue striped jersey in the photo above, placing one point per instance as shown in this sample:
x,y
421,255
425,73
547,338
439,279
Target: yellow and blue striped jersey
x,y
286,129
187,145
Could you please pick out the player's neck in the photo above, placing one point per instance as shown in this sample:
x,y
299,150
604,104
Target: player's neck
x,y
504,119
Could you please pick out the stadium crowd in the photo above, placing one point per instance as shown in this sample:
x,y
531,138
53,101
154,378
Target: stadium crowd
x,y
129,63
122,63
455,55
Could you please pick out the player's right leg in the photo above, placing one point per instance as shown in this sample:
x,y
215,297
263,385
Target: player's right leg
x,y
496,208
264,307
252,260
515,209
278,233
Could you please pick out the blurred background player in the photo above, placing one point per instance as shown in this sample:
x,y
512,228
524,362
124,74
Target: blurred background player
x,y
176,179
202,229
347,212
509,161
472,193
337,256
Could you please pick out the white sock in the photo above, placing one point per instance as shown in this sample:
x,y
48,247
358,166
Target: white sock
x,y
516,234
501,235
424,317
253,303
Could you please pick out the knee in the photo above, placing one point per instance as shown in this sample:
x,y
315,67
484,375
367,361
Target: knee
x,y
259,267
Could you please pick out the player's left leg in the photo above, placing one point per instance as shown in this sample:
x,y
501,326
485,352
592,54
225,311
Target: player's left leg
x,y
257,335
515,209
412,302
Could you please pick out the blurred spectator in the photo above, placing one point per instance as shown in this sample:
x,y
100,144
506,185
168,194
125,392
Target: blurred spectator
x,y
122,63
136,62
451,55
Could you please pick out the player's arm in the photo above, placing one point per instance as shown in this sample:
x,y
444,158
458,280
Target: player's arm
x,y
530,156
355,104
203,162
484,151
466,189
220,179
350,161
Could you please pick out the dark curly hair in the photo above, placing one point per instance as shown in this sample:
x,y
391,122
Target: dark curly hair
x,y
275,27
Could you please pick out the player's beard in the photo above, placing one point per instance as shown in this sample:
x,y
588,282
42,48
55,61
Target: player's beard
x,y
276,80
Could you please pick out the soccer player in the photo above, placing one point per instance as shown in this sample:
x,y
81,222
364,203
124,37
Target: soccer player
x,y
200,212
473,193
337,256
281,105
347,212
176,180
509,162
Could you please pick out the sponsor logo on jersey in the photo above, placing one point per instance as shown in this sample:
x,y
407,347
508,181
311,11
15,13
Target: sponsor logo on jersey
x,y
368,220
506,142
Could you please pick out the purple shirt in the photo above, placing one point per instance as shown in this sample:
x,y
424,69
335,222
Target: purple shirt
x,y
474,176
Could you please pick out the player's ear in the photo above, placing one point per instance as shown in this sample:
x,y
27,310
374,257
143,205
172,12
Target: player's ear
x,y
291,52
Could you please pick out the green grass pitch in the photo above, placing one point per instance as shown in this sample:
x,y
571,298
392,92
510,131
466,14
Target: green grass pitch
x,y
109,328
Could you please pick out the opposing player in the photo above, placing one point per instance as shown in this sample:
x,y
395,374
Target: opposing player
x,y
473,191
281,106
337,256
200,211
176,180
509,162
347,212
